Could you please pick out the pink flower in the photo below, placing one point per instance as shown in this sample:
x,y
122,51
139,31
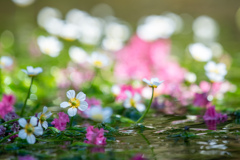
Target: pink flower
x,y
122,95
141,59
95,136
206,86
61,122
91,102
6,105
211,114
27,157
200,99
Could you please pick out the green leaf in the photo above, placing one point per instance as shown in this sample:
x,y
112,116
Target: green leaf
x,y
54,130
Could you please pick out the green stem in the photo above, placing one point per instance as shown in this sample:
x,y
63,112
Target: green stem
x,y
71,121
5,138
25,103
149,105
153,154
12,121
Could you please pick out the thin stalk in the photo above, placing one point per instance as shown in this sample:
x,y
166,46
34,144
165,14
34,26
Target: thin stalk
x,y
71,121
5,138
12,121
25,103
153,154
149,105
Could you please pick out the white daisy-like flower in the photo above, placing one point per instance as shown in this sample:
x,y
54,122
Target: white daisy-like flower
x,y
75,102
70,32
154,82
100,114
215,72
43,116
155,27
200,52
31,72
50,45
190,77
78,54
99,60
134,101
29,130
5,61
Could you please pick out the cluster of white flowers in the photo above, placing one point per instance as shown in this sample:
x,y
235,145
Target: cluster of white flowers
x,y
154,27
31,128
215,72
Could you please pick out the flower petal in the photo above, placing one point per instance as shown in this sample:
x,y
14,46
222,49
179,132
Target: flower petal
x,y
140,107
22,134
22,122
72,112
38,70
147,81
64,104
45,109
39,115
45,124
25,71
31,139
33,121
71,94
81,96
83,105
38,130
48,114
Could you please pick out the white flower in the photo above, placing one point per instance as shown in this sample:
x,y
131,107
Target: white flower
x,y
91,31
200,52
190,77
50,45
215,72
155,27
70,32
100,114
99,60
29,129
5,61
115,90
47,13
115,30
43,117
77,54
31,72
205,29
134,101
23,3
75,102
154,82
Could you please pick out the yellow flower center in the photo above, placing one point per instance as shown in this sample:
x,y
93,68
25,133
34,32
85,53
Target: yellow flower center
x,y
42,118
215,71
98,63
74,102
29,129
132,102
98,117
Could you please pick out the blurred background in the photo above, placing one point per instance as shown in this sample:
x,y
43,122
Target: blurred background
x,y
21,26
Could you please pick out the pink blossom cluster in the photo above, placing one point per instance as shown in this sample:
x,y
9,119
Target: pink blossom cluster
x,y
123,88
91,102
95,136
140,59
61,122
6,105
75,77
